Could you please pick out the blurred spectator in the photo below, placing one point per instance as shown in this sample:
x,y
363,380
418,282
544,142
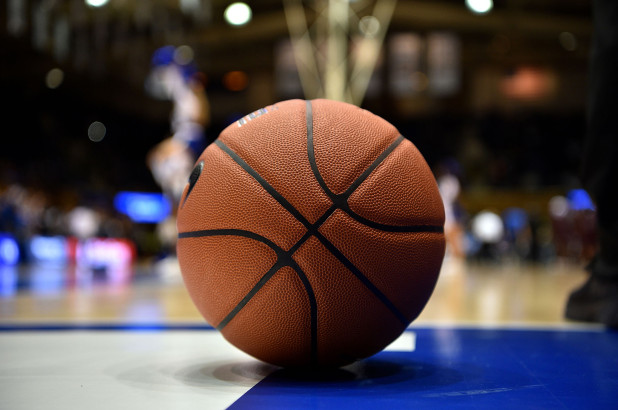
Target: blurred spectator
x,y
10,218
574,229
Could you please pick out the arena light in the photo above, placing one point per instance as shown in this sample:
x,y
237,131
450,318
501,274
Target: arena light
x,y
488,227
480,6
143,207
97,3
238,14
9,250
49,249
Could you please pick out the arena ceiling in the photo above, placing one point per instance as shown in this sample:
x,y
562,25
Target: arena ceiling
x,y
109,48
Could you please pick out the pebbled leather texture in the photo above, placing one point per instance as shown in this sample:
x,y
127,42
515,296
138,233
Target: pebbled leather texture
x,y
313,235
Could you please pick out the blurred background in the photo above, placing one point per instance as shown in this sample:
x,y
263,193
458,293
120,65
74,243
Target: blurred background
x,y
107,104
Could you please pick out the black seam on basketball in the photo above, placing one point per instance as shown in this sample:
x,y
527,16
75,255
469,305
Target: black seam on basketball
x,y
269,188
256,288
311,152
232,232
283,259
195,175
354,185
341,200
312,228
302,240
395,228
364,280
377,225
313,310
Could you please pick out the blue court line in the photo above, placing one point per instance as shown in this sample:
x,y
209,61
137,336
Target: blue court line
x,y
122,327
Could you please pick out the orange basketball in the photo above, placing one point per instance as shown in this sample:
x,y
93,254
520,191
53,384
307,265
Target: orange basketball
x,y
311,233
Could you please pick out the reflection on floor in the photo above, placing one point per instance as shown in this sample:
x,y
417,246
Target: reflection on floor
x,y
487,294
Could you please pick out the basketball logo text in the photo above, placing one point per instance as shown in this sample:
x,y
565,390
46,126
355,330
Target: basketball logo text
x,y
256,114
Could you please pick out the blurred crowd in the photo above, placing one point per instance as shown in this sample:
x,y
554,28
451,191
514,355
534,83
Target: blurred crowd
x,y
28,216
564,230
59,184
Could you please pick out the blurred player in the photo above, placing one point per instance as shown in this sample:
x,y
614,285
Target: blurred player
x,y
175,78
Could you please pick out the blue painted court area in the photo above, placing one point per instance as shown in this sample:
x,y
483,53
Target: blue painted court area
x,y
461,368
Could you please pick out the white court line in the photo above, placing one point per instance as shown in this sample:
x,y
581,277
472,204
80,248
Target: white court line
x,y
404,343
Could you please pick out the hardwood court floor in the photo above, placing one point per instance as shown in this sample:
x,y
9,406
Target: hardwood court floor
x,y
492,335
466,293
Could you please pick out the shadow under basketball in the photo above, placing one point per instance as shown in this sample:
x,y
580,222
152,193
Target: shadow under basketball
x,y
362,374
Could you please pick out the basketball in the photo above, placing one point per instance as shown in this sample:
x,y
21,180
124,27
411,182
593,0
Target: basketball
x,y
310,233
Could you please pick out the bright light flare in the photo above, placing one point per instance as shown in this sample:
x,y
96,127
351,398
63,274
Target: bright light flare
x,y
96,3
480,6
488,227
238,14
